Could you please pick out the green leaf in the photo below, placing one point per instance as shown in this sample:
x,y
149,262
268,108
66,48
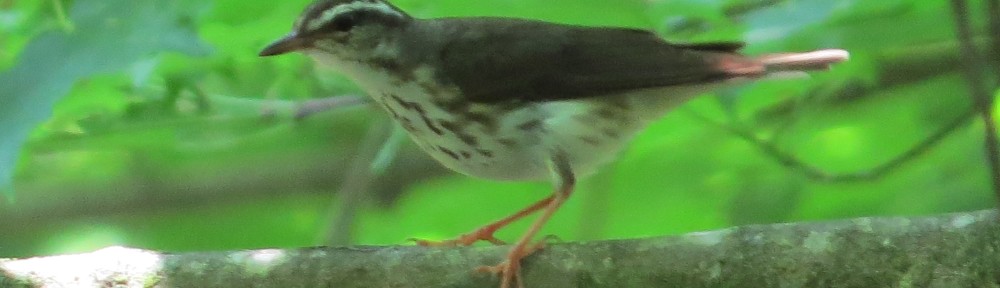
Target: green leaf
x,y
109,37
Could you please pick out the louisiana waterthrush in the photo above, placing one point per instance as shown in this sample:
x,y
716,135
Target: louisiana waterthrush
x,y
515,99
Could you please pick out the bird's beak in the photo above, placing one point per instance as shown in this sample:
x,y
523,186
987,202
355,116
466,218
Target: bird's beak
x,y
290,43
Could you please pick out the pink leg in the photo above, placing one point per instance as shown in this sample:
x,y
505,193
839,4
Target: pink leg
x,y
509,270
485,233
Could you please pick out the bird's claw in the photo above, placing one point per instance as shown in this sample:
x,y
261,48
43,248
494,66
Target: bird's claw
x,y
463,240
509,273
510,269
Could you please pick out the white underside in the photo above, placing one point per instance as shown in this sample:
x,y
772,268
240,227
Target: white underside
x,y
530,158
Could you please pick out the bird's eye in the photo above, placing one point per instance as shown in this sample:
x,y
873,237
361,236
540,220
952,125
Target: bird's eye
x,y
342,23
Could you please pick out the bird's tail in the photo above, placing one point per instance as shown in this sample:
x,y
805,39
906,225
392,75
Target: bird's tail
x,y
781,64
815,60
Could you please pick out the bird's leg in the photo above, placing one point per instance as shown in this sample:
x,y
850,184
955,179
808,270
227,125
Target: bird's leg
x,y
509,269
485,233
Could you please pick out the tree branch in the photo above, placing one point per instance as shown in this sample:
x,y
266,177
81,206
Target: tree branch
x,y
951,250
981,96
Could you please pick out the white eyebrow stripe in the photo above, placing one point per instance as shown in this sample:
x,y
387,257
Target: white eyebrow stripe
x,y
329,14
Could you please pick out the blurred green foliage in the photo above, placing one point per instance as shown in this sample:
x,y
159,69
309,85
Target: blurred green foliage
x,y
154,124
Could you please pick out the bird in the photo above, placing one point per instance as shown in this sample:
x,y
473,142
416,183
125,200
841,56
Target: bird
x,y
515,99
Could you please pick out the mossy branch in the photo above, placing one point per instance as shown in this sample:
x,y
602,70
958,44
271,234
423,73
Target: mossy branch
x,y
951,250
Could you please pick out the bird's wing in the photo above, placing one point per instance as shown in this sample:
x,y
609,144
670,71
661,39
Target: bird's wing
x,y
509,59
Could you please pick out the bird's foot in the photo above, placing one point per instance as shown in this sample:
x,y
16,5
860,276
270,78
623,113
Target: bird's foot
x,y
482,234
510,270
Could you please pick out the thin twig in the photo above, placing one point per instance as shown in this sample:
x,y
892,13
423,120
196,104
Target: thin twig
x,y
595,198
767,147
355,191
310,107
994,15
792,162
743,7
980,94
64,21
